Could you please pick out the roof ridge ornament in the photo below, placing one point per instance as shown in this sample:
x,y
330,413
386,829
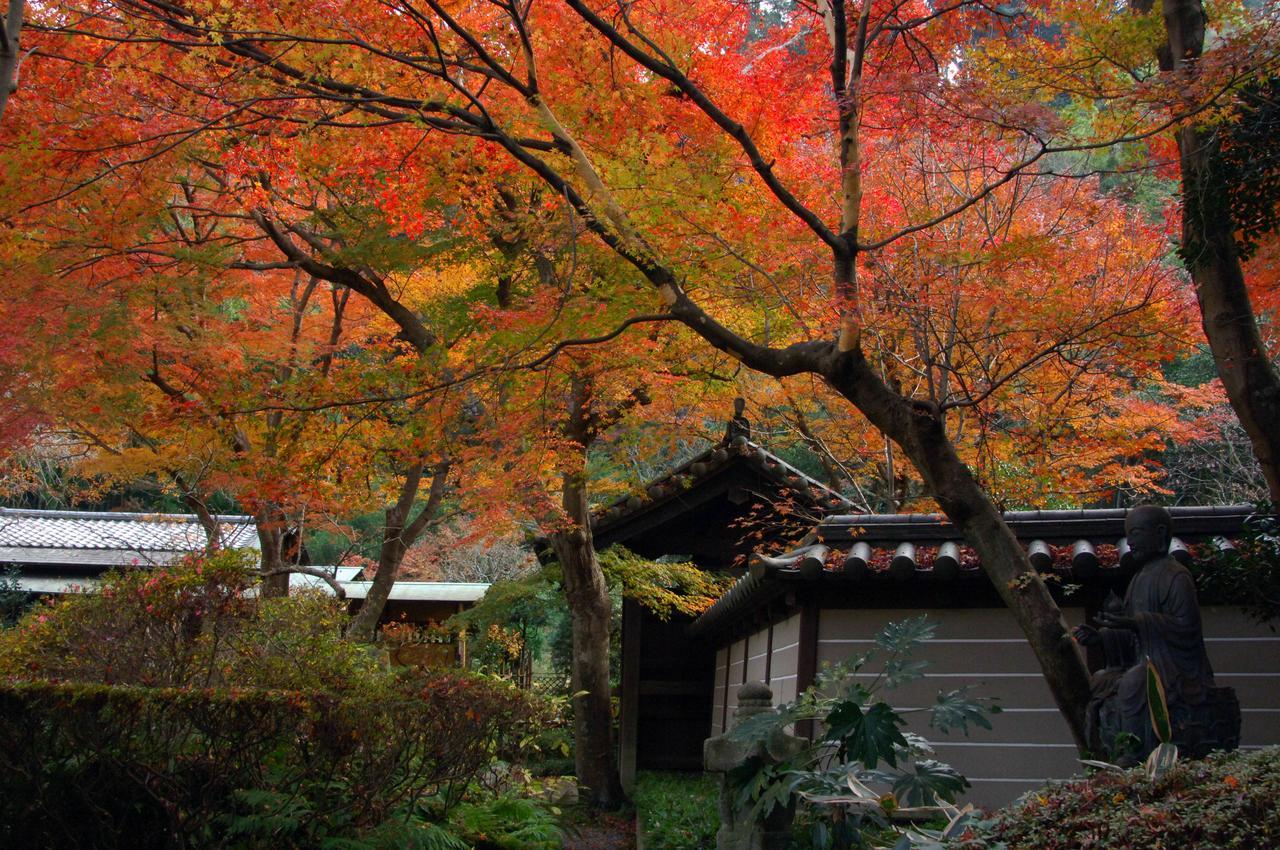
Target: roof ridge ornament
x,y
738,430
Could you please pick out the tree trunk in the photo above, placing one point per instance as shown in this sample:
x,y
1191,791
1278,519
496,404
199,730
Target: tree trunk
x,y
195,502
9,51
918,428
271,532
590,611
398,535
1209,251
364,624
1230,325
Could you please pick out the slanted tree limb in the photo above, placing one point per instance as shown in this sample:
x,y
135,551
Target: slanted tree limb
x,y
401,530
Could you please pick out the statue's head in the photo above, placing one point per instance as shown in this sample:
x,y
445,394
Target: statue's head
x,y
1149,529
739,405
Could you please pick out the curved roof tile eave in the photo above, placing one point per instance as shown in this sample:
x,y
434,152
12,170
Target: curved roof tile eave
x,y
888,532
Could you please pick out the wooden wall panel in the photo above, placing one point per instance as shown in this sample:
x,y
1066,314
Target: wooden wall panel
x,y
1030,743
718,693
786,658
1246,656
757,645
736,662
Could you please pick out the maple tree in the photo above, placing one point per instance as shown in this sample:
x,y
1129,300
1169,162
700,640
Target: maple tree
x,y
262,387
1041,382
770,177
547,419
185,346
1150,68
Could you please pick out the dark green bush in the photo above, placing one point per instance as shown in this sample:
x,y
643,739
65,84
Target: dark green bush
x,y
174,710
125,766
1229,800
677,811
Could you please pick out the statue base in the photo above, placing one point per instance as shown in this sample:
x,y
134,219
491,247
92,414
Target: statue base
x,y
1213,724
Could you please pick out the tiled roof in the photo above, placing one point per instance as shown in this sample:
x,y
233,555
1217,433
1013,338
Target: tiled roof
x,y
903,548
93,538
688,474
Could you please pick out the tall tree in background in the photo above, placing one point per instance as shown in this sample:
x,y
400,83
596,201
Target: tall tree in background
x,y
1209,237
546,416
1144,67
181,338
10,50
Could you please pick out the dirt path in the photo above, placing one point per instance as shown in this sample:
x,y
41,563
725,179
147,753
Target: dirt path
x,y
606,832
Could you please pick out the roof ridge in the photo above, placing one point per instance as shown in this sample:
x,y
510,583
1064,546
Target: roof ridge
x,y
1050,513
809,479
155,516
707,457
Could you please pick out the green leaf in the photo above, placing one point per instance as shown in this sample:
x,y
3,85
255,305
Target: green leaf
x,y
905,635
930,782
869,737
899,671
956,710
760,726
1157,705
843,720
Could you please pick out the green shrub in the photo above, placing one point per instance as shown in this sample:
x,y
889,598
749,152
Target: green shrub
x,y
127,766
174,710
195,624
677,811
13,599
862,766
1225,801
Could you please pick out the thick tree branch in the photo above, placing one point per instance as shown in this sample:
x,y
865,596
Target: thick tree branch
x,y
415,332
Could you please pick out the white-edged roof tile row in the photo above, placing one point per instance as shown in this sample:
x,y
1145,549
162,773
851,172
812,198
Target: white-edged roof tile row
x,y
32,536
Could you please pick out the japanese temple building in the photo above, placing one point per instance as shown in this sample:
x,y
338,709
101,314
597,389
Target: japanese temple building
x,y
791,614
712,510
733,509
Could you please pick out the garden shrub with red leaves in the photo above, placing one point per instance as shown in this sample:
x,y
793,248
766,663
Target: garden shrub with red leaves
x,y
1228,800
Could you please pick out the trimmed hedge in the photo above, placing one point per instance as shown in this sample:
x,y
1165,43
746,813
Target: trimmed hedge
x,y
108,766
1228,800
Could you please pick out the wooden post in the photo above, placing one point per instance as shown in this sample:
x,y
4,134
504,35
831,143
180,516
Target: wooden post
x,y
768,656
629,702
807,660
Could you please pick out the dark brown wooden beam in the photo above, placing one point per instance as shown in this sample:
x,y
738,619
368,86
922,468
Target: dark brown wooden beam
x,y
629,702
807,661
